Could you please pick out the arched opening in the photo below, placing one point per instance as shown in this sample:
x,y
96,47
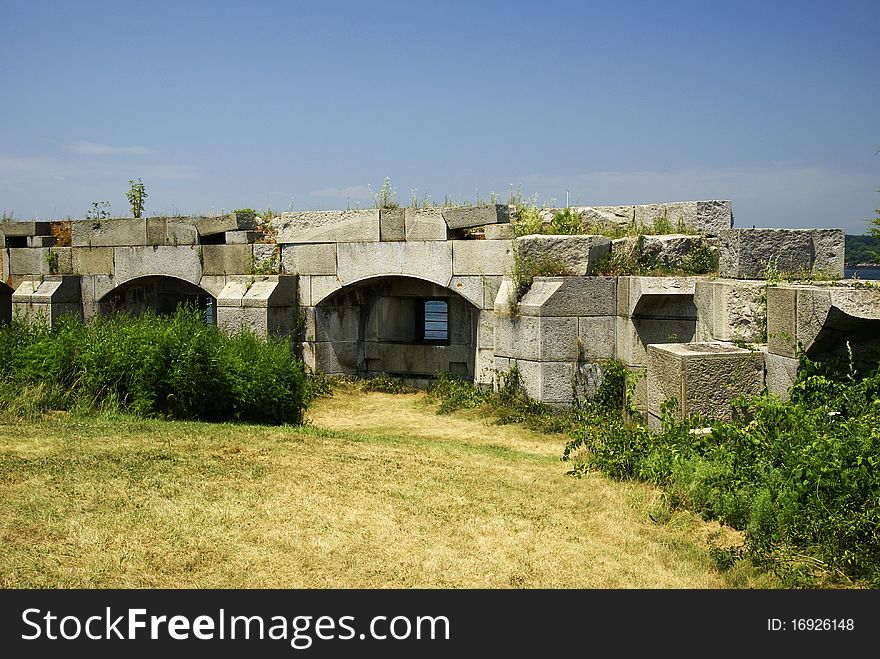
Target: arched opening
x,y
398,326
159,294
5,304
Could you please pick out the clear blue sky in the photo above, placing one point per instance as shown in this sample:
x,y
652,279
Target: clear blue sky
x,y
222,105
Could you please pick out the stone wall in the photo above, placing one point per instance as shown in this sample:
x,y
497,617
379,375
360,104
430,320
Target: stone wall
x,y
351,286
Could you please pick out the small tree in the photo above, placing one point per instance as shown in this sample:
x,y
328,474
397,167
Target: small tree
x,y
136,195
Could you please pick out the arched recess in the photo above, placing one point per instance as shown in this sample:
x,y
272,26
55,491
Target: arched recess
x,y
158,293
5,304
396,325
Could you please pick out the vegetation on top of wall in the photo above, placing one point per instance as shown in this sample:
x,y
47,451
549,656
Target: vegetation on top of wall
x,y
701,260
386,197
100,210
524,271
529,219
136,195
148,365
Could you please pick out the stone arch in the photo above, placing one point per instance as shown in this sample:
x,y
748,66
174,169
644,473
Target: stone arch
x,y
159,293
400,325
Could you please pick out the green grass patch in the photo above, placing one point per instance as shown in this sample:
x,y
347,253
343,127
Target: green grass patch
x,y
165,366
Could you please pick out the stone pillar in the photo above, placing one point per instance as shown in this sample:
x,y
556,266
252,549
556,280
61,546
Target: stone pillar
x,y
703,378
264,304
48,297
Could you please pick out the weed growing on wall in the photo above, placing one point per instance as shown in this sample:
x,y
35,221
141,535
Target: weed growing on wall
x,y
100,210
386,197
524,271
136,195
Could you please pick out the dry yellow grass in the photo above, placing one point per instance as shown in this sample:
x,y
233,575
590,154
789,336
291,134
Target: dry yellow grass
x,y
392,496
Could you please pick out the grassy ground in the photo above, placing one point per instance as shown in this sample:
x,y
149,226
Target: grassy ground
x,y
378,491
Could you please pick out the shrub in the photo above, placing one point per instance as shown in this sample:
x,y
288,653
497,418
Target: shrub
x,y
171,366
801,477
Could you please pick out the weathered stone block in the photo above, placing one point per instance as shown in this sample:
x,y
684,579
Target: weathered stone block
x,y
500,232
671,250
39,260
266,258
322,287
181,262
180,233
782,320
213,284
482,257
464,218
264,321
731,310
638,397
752,253
825,319
547,382
313,259
702,377
518,337
92,260
670,297
259,291
484,367
425,224
570,296
537,338
304,286
829,252
108,233
335,323
713,217
156,231
48,298
780,373
504,296
426,360
334,358
392,226
471,289
18,229
597,337
40,241
609,216
207,226
634,335
242,237
707,218
351,226
486,330
577,255
431,261
227,259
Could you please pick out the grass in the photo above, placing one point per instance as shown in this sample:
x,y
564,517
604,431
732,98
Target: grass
x,y
378,493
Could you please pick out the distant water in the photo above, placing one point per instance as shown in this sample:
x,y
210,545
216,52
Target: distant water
x,y
862,273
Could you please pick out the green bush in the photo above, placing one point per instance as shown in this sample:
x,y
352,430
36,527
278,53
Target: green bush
x,y
801,478
171,366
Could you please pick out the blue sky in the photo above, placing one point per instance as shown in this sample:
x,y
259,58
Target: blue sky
x,y
308,105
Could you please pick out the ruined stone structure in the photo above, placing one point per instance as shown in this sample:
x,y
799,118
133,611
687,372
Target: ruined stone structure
x,y
411,292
